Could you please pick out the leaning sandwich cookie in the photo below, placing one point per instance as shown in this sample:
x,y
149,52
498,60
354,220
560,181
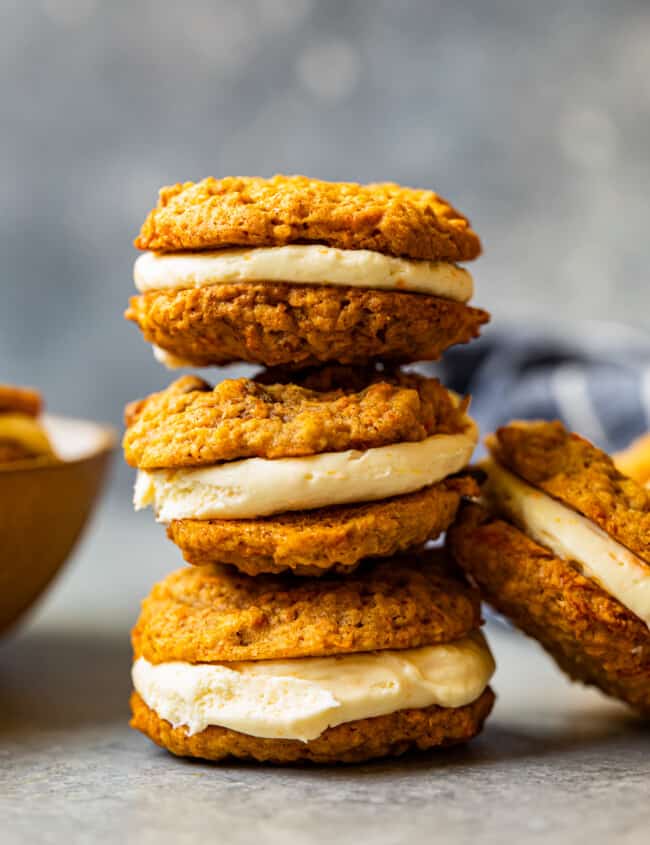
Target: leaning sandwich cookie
x,y
285,669
282,476
561,546
291,271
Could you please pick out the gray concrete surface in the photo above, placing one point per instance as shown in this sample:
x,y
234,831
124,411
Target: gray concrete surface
x,y
556,764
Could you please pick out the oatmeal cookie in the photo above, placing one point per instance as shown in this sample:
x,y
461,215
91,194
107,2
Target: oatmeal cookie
x,y
11,451
22,437
352,742
591,635
191,424
214,614
281,324
251,211
334,539
20,400
574,471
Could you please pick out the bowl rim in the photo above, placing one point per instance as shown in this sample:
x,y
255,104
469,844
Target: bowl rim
x,y
106,441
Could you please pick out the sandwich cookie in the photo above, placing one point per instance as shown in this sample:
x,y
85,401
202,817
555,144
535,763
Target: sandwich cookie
x,y
326,670
291,271
21,435
562,548
274,477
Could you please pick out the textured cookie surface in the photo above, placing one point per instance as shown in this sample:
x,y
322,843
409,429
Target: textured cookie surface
x,y
191,424
352,742
327,539
592,637
21,400
574,471
277,324
213,614
251,211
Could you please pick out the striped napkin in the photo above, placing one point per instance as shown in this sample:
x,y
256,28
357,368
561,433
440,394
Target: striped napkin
x,y
595,377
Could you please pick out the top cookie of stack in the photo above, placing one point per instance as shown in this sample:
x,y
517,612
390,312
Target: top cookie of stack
x,y
297,272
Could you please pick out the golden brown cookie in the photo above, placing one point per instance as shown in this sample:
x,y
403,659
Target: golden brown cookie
x,y
250,211
591,635
573,470
20,400
213,614
191,424
333,539
277,324
11,451
22,437
352,742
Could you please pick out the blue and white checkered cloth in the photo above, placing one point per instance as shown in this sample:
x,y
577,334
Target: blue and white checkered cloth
x,y
595,377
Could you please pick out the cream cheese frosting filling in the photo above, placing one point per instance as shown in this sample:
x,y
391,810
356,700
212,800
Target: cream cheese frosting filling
x,y
301,264
571,536
256,487
25,430
302,697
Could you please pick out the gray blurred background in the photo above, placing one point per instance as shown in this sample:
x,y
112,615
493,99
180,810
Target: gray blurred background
x,y
533,117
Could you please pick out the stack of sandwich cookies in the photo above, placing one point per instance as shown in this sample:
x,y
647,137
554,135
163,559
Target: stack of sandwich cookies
x,y
284,669
561,546
311,626
296,272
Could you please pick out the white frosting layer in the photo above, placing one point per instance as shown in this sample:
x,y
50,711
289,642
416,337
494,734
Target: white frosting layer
x,y
301,698
301,264
571,536
258,487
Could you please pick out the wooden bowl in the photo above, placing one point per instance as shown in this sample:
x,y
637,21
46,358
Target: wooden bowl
x,y
44,507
